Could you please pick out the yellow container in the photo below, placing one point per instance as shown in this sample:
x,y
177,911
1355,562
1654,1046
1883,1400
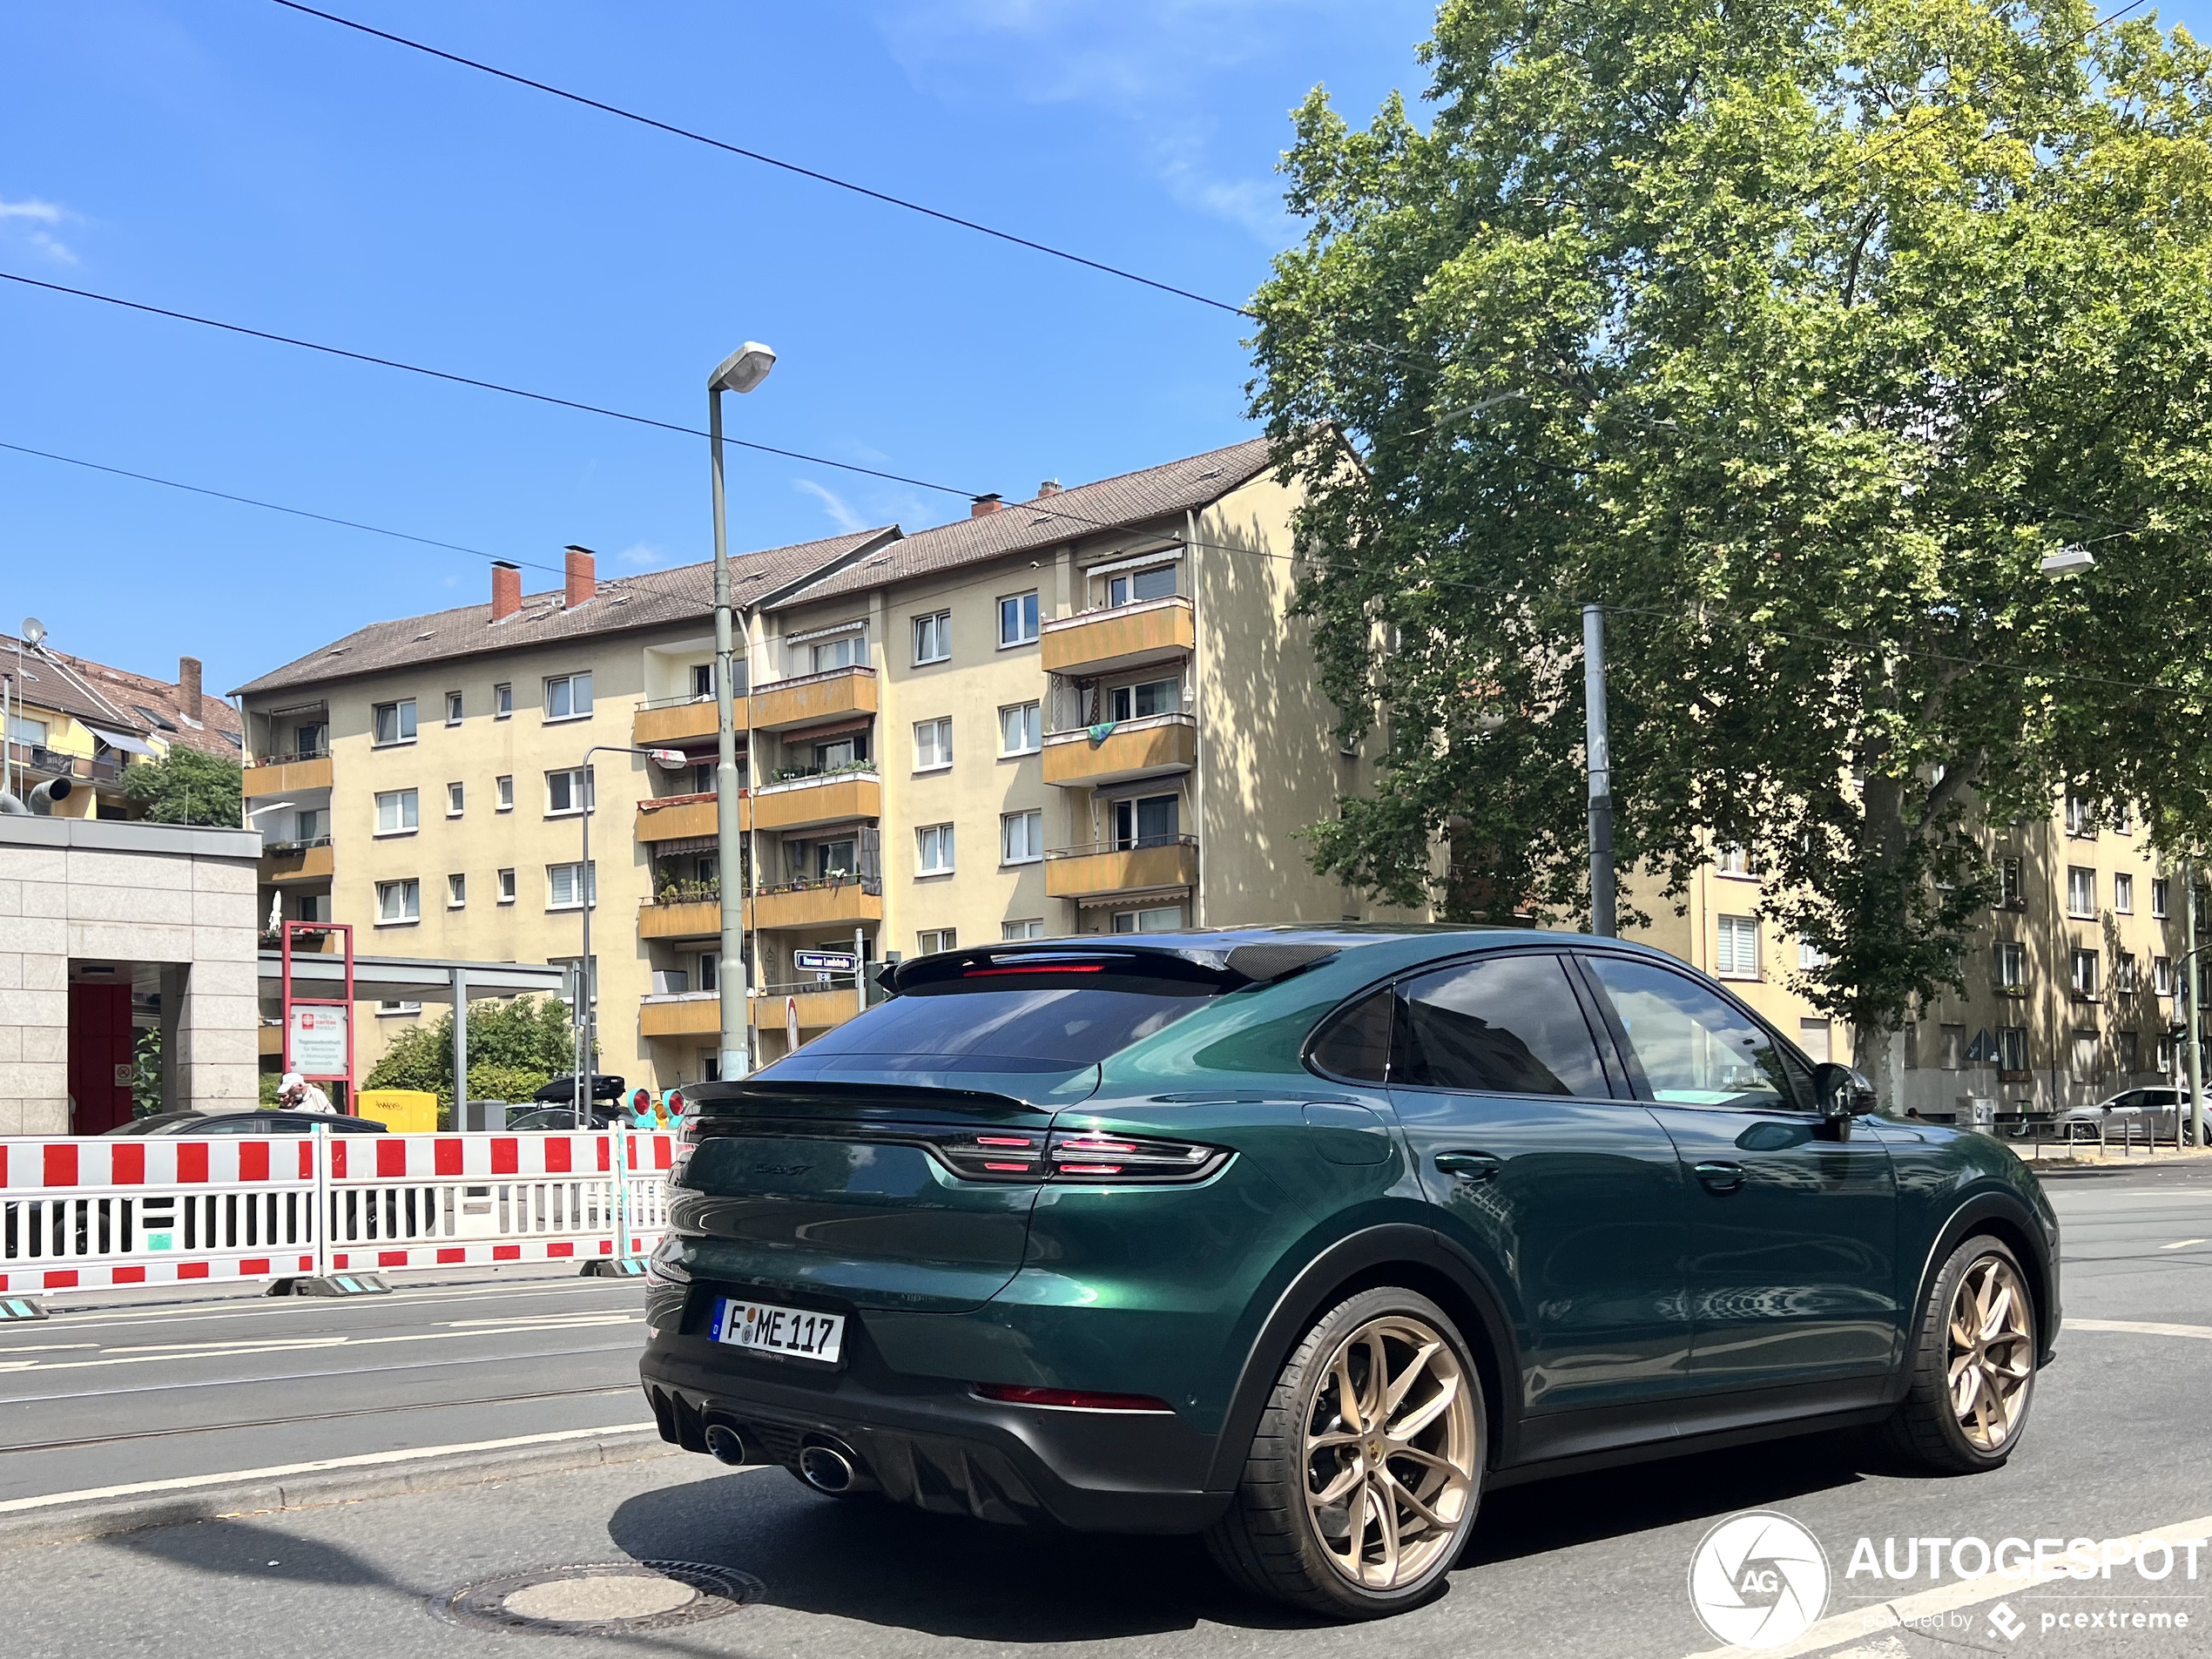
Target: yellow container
x,y
403,1111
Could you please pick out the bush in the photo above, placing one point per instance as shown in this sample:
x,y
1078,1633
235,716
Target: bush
x,y
530,1038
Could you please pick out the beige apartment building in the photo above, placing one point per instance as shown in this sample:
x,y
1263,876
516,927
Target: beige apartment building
x,y
1087,712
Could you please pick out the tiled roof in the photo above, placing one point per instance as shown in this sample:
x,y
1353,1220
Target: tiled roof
x,y
217,732
51,680
1048,520
684,594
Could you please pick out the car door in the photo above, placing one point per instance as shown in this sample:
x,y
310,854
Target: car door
x,y
1792,1258
1567,1191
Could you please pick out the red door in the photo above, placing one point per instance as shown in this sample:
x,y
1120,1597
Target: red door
x,y
100,1054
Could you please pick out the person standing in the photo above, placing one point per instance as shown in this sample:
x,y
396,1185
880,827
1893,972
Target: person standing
x,y
296,1094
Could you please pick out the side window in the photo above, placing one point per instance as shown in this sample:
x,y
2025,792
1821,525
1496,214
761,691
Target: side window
x,y
1695,1050
1503,1024
1354,1042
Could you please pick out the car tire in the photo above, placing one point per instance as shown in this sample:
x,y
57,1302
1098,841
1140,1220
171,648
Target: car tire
x,y
1319,1520
1971,1368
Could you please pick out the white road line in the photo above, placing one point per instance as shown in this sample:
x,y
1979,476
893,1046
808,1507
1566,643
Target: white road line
x,y
365,1460
1860,1622
91,1316
253,1349
2142,1327
2182,1243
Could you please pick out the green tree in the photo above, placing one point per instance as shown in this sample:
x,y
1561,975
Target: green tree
x,y
1797,335
188,786
515,1049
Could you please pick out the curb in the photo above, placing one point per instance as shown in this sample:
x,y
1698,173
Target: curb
x,y
263,1492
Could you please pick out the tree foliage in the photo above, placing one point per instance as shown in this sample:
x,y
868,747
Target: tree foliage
x,y
515,1049
188,786
1797,335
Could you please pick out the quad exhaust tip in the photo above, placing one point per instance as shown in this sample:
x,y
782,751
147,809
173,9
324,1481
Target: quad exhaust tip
x,y
725,1445
827,1468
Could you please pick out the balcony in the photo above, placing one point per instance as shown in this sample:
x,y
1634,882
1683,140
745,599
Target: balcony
x,y
682,818
818,1006
1158,743
837,900
679,918
1101,642
809,699
675,720
285,775
1088,871
693,1014
284,861
824,797
45,763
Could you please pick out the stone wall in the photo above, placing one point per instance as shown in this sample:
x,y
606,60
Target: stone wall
x,y
153,894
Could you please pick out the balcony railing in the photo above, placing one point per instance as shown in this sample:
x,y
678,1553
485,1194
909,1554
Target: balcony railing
x,y
830,796
1120,750
1098,641
820,902
1148,862
288,776
57,763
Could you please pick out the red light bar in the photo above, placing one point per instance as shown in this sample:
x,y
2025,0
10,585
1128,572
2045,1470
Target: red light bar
x,y
1059,967
1071,1399
1004,1140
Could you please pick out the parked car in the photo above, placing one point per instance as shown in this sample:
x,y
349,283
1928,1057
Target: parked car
x,y
2133,1108
600,1085
261,1122
1301,1238
549,1117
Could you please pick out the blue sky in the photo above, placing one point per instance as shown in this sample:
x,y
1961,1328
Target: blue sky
x,y
233,158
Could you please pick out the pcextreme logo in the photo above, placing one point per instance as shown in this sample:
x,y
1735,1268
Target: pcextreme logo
x,y
1758,1581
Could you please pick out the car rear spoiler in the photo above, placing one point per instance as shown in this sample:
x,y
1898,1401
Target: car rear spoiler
x,y
1229,969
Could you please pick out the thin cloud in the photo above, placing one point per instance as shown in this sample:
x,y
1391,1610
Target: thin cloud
x,y
39,214
640,555
841,512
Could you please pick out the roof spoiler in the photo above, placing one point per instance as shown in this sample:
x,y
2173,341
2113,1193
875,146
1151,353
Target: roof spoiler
x,y
1057,960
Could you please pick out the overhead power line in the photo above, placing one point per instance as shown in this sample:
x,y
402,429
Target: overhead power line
x,y
766,160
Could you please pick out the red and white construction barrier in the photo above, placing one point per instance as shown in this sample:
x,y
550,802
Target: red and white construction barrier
x,y
94,1213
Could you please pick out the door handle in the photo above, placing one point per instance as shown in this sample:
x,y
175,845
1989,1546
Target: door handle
x,y
1469,1166
1720,1176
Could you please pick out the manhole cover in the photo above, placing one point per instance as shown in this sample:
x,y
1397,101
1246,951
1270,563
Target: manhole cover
x,y
603,1599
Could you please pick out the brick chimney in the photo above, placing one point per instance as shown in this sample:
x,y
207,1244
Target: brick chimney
x,y
1049,487
583,580
506,589
983,506
188,684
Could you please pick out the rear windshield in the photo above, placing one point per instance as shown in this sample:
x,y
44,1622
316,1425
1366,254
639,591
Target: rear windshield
x,y
1034,1029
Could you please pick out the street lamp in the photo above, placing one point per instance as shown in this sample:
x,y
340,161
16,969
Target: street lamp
x,y
586,1009
741,371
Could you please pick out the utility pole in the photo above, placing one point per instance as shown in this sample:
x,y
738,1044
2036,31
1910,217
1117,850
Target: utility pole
x,y
2196,1034
1597,753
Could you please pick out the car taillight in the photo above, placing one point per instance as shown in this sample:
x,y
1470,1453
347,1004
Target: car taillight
x,y
1086,1155
1070,1400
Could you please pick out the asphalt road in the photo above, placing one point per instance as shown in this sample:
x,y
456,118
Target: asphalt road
x,y
102,1395
1594,1565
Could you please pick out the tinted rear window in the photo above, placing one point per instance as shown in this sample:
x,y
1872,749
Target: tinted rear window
x,y
1034,1029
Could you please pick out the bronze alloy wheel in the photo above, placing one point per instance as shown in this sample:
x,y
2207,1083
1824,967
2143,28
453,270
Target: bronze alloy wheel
x,y
1391,1452
1991,1351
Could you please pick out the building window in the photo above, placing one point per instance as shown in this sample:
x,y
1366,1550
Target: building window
x,y
844,651
503,701
1022,930
507,886
1738,956
23,729
398,901
1733,860
1810,957
2011,1047
2160,896
568,696
930,940
2162,975
932,744
2083,973
1954,1047
395,1007
1141,702
393,722
710,970
934,639
456,892
2085,1058
1149,820
1021,729
395,812
2123,823
2127,1051
2123,895
453,708
2123,974
1156,919
571,968
1018,618
505,786
2012,964
2009,893
310,738
933,845
1155,583
569,791
2080,817
1816,1037
2081,891
569,885
702,682
454,797
1021,837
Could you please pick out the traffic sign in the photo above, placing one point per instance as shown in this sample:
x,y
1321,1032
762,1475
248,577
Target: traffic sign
x,y
826,961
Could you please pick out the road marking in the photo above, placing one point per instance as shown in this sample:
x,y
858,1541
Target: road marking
x,y
246,1349
630,1349
87,1315
365,1460
2142,1327
2182,1243
1896,1615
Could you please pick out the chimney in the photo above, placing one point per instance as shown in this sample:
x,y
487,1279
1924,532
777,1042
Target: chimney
x,y
984,505
582,580
188,684
506,589
1049,487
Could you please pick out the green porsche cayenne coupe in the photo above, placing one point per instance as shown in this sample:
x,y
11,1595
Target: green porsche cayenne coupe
x,y
1303,1238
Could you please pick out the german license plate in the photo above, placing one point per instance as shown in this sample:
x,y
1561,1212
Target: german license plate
x,y
792,1332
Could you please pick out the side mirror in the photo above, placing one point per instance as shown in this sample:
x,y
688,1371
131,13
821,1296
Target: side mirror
x,y
1842,1092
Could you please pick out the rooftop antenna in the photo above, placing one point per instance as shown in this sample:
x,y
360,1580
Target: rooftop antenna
x,y
34,632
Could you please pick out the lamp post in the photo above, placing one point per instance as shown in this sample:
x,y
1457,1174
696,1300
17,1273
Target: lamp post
x,y
741,371
586,1006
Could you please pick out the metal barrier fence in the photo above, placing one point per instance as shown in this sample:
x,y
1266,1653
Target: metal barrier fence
x,y
95,1213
